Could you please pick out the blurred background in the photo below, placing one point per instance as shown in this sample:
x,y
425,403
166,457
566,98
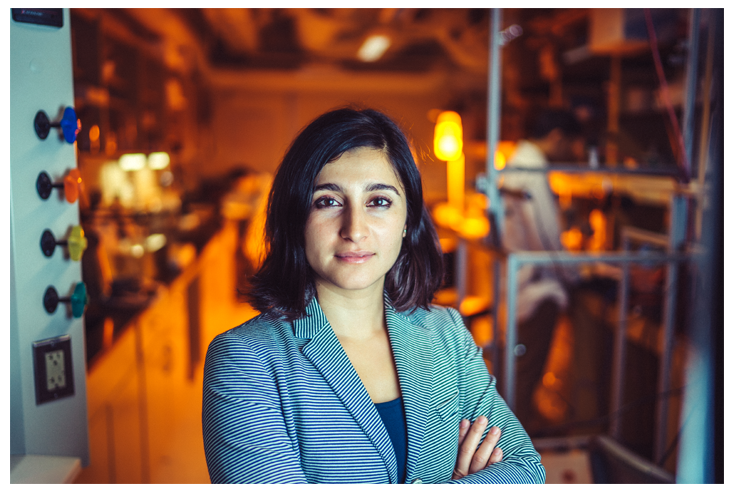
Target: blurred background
x,y
595,334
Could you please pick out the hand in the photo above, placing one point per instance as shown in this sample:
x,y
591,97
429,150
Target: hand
x,y
470,459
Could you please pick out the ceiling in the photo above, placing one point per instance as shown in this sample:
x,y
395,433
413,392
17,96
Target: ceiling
x,y
286,39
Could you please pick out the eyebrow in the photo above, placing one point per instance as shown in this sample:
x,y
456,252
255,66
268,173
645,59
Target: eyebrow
x,y
372,187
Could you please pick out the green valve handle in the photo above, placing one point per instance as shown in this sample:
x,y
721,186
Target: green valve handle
x,y
78,300
76,243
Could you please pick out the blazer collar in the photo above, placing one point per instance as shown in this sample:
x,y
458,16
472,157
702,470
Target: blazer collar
x,y
412,350
413,354
327,355
313,322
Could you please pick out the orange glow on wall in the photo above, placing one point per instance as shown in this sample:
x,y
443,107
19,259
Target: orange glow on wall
x,y
448,140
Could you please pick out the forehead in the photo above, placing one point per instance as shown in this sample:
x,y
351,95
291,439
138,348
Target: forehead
x,y
360,165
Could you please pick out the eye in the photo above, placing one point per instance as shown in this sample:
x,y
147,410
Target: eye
x,y
325,201
381,202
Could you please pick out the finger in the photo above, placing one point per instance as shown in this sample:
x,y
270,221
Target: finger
x,y
481,457
467,449
496,456
463,430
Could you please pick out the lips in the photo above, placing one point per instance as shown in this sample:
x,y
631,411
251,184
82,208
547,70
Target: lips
x,y
354,257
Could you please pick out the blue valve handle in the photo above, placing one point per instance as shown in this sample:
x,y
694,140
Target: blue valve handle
x,y
69,125
78,300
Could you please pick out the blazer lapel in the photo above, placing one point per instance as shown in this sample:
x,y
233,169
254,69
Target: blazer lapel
x,y
412,350
324,351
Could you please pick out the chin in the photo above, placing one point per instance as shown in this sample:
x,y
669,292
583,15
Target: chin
x,y
350,283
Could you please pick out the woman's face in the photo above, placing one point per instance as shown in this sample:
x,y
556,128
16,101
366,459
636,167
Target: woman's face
x,y
354,231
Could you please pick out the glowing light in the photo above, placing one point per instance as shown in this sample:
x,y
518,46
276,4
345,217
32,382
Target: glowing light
x,y
373,48
94,133
448,141
158,160
598,223
475,227
155,242
504,151
572,239
473,304
447,216
457,182
499,160
137,250
132,162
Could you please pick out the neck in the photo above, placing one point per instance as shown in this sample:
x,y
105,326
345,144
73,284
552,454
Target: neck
x,y
353,315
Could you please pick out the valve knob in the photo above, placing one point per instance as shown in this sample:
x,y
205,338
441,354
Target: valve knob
x,y
69,125
78,299
76,243
72,184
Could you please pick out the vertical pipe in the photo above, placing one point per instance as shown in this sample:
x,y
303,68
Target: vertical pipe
x,y
461,265
614,102
691,86
495,208
664,365
702,442
512,268
496,282
676,238
619,347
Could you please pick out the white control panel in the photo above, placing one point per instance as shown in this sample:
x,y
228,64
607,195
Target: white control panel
x,y
48,414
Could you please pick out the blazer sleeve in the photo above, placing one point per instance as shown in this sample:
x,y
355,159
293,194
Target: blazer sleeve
x,y
520,462
245,434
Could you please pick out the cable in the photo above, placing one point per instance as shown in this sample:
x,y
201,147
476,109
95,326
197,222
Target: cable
x,y
684,167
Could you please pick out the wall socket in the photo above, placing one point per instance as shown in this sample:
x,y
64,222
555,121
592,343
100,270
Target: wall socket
x,y
54,374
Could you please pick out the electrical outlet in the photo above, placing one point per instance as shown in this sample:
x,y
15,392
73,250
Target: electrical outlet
x,y
54,371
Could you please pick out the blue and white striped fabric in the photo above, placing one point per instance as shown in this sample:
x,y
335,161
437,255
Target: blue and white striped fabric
x,y
283,404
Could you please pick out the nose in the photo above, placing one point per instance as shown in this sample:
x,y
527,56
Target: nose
x,y
354,226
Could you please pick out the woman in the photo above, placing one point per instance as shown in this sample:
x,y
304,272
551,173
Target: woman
x,y
350,374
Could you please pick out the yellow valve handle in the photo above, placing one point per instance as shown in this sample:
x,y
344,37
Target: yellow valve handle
x,y
77,243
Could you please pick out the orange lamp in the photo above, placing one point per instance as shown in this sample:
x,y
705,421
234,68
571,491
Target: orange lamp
x,y
448,140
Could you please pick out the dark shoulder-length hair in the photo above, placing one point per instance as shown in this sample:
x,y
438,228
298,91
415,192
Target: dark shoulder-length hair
x,y
284,282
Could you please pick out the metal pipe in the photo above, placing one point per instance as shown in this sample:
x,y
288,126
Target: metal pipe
x,y
511,329
660,443
461,263
619,348
495,208
677,233
642,236
691,86
496,283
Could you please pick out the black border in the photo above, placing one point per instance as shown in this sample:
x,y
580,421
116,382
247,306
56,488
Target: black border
x,y
40,348
44,17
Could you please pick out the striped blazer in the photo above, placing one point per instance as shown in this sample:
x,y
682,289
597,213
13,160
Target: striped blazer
x,y
283,404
